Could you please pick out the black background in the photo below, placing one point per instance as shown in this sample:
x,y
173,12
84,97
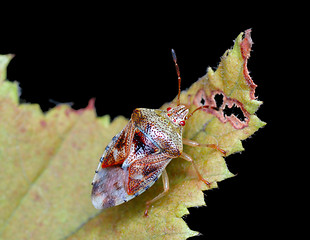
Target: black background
x,y
126,63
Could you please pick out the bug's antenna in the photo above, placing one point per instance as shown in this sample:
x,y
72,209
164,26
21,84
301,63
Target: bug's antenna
x,y
178,73
201,107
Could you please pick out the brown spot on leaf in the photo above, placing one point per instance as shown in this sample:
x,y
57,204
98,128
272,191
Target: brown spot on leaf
x,y
22,129
43,123
36,197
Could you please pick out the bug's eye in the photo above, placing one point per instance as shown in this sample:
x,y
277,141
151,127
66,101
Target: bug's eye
x,y
182,123
168,109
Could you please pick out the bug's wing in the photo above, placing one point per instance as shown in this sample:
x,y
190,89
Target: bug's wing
x,y
108,187
143,173
118,149
115,185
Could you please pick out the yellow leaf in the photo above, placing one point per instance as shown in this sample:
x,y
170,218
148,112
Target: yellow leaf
x,y
48,159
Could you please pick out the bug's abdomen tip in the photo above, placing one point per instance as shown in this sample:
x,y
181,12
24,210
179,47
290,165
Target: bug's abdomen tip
x,y
109,188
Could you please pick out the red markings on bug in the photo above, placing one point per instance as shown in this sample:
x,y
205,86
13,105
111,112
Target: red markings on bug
x,y
143,173
224,108
142,145
245,46
119,149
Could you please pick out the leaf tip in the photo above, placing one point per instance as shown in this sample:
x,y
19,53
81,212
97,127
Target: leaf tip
x,y
246,44
4,61
245,48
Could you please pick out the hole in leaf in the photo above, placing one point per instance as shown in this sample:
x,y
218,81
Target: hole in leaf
x,y
202,101
235,110
218,100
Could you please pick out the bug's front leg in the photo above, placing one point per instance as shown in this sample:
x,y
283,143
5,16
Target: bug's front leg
x,y
189,159
166,189
196,144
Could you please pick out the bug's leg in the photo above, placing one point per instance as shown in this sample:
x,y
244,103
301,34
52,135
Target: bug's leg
x,y
196,144
188,158
166,189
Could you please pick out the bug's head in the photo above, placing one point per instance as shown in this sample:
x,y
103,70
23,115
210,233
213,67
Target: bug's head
x,y
178,114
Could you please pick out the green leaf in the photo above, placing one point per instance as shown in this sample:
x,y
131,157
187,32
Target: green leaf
x,y
48,159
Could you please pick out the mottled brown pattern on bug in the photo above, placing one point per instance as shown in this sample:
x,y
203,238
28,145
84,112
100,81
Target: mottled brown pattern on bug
x,y
142,146
160,130
142,173
108,188
155,141
136,157
119,148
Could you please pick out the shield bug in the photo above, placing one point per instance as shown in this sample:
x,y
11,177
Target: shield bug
x,y
137,156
